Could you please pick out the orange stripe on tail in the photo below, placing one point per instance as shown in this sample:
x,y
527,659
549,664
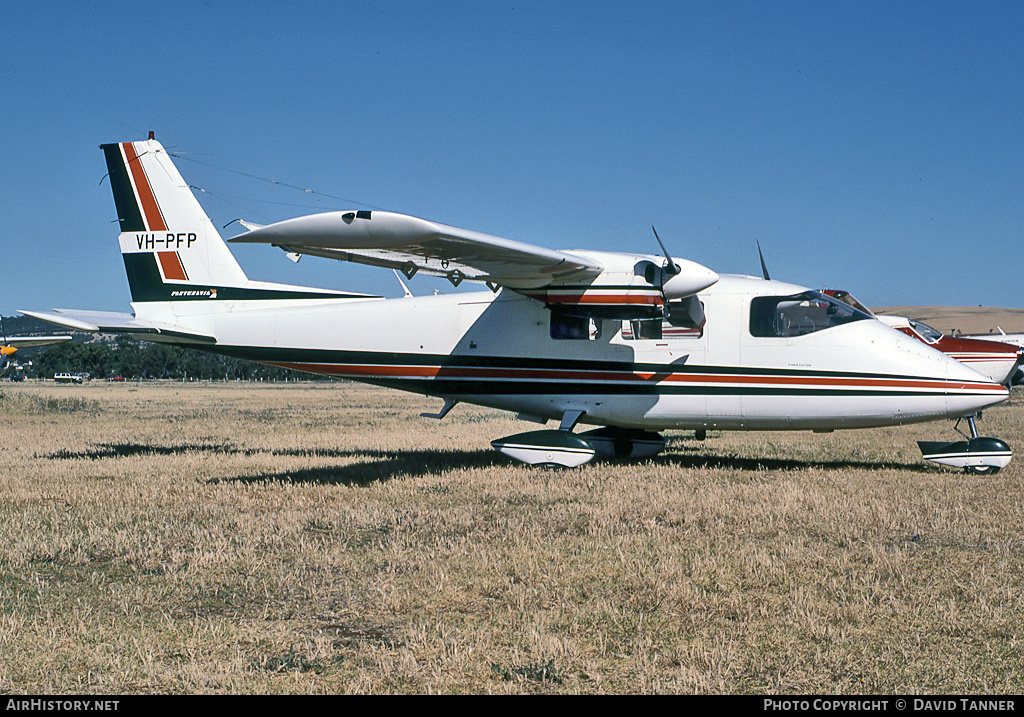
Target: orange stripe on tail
x,y
147,200
170,263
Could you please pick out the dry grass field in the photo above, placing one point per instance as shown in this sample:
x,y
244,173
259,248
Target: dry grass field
x,y
324,538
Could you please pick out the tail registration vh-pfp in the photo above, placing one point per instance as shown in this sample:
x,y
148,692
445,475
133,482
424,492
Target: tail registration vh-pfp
x,y
628,344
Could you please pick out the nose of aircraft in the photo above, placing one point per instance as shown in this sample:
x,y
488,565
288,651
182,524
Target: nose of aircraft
x,y
943,387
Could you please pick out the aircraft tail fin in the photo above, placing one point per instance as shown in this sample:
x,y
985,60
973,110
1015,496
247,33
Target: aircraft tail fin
x,y
171,250
168,242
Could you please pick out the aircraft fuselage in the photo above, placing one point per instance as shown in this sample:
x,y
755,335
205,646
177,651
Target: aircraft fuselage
x,y
501,350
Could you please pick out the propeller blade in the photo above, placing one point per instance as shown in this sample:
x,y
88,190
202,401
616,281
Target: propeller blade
x,y
764,269
672,267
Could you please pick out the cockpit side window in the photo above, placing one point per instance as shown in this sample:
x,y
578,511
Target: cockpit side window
x,y
799,314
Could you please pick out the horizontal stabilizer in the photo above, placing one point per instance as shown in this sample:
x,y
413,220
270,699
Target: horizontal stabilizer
x,y
112,322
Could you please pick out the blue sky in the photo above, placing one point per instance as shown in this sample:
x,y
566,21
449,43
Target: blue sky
x,y
875,147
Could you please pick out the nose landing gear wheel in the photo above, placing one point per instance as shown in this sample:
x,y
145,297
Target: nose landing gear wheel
x,y
979,456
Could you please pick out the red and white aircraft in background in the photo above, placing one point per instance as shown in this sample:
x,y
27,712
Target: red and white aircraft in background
x,y
577,337
995,359
1003,337
999,360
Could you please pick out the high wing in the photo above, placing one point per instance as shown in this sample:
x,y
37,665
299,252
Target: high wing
x,y
411,245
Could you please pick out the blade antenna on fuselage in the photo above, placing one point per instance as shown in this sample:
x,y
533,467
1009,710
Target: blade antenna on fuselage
x,y
764,268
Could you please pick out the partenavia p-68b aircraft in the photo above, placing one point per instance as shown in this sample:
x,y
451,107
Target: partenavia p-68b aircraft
x,y
629,344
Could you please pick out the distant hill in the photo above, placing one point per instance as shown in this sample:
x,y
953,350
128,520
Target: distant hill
x,y
28,326
106,355
962,319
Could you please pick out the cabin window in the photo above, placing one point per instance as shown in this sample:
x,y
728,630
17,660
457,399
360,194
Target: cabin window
x,y
799,314
644,329
565,326
683,321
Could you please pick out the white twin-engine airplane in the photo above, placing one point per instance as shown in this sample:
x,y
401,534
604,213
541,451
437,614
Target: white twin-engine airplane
x,y
630,344
11,344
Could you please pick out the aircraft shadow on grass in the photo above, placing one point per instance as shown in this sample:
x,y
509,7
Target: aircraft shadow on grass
x,y
375,466
372,466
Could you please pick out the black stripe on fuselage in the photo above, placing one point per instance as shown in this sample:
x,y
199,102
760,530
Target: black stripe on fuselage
x,y
525,387
334,363
341,357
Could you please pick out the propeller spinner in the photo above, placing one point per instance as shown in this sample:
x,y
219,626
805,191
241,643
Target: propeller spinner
x,y
681,278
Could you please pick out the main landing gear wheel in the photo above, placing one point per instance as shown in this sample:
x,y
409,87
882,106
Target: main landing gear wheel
x,y
548,449
981,470
565,449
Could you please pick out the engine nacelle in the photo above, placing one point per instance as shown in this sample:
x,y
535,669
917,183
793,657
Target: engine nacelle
x,y
639,289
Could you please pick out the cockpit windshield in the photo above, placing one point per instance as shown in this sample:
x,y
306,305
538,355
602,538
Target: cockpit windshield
x,y
799,314
847,298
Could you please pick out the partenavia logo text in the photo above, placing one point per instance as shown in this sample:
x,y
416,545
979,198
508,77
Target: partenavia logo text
x,y
210,293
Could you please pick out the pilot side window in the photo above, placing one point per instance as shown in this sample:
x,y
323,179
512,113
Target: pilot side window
x,y
927,332
799,314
